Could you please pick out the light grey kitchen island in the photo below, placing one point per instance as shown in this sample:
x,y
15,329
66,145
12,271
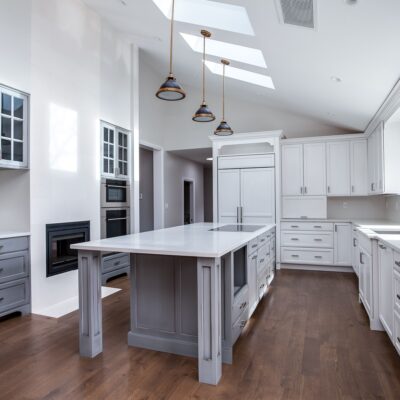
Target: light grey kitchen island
x,y
193,288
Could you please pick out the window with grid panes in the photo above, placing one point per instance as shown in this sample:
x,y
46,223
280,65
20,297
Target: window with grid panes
x,y
13,128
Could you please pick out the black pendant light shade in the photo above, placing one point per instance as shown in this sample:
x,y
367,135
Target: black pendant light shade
x,y
223,128
203,114
171,90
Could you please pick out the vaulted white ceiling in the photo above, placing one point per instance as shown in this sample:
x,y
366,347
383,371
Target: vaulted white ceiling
x,y
356,43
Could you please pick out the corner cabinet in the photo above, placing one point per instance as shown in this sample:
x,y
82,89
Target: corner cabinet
x,y
14,111
115,151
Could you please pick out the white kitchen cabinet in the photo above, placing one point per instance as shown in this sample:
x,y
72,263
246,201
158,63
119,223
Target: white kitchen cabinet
x,y
292,170
386,303
228,195
257,191
115,152
338,168
252,278
359,167
365,280
355,253
314,161
304,169
342,244
246,195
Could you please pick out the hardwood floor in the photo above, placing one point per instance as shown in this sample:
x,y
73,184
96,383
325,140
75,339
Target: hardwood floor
x,y
309,339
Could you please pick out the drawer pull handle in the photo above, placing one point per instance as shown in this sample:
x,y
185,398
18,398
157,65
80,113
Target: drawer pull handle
x,y
295,255
254,258
1,270
397,263
262,240
318,226
1,298
317,240
398,339
243,324
268,236
254,245
317,256
294,239
294,226
243,305
262,286
262,260
398,296
117,263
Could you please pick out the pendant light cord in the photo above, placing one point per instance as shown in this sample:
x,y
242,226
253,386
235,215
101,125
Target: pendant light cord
x,y
172,37
204,67
223,92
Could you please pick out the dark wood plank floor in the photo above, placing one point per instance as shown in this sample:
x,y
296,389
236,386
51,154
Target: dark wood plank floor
x,y
309,339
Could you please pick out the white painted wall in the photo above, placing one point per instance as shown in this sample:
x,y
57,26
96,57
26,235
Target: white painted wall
x,y
176,170
372,207
392,210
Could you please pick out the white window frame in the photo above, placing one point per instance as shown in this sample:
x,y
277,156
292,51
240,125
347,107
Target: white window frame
x,y
24,164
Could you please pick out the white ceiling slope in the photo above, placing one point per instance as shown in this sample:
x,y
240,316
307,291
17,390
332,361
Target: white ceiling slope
x,y
357,43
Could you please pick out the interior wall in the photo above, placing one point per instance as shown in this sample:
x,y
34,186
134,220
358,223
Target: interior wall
x,y
208,194
372,207
176,170
392,209
67,50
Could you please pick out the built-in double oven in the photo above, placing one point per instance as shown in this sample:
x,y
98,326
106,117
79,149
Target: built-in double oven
x,y
115,208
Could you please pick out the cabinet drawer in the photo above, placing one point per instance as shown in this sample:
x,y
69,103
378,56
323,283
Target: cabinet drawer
x,y
14,244
250,161
239,324
306,226
115,261
252,246
307,239
396,290
14,294
397,331
263,239
262,284
13,266
263,257
307,256
240,302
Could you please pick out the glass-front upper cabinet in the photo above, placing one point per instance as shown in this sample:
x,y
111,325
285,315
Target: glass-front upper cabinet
x,y
13,128
115,151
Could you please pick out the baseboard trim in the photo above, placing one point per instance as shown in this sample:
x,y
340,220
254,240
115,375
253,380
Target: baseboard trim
x,y
322,268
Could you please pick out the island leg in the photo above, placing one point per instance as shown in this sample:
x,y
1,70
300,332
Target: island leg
x,y
209,319
90,319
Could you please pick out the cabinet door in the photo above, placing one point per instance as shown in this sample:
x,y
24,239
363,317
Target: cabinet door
x,y
292,170
359,168
257,195
386,296
338,156
122,155
252,281
108,150
371,163
356,266
228,195
366,267
314,159
379,160
342,244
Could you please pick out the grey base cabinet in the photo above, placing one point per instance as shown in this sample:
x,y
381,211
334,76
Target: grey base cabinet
x,y
15,291
114,264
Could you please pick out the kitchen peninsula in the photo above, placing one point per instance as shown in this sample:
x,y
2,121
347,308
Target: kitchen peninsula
x,y
193,288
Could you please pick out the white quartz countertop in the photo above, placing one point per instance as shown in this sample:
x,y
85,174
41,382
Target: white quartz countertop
x,y
194,240
12,234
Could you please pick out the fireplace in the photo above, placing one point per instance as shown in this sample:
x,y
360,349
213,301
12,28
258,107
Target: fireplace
x,y
59,238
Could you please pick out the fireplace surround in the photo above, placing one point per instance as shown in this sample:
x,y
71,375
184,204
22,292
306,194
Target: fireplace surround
x,y
60,257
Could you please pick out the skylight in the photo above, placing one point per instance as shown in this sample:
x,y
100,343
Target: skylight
x,y
206,13
241,75
226,50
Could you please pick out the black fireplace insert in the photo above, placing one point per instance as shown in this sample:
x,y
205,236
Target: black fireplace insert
x,y
59,238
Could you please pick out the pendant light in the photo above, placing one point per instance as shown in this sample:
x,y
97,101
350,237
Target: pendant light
x,y
203,114
223,128
171,90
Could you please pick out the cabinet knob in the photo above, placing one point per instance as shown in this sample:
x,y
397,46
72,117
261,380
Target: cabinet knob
x,y
1,298
398,296
1,270
397,263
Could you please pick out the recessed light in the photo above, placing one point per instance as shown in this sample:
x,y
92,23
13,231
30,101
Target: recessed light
x,y
241,75
209,159
207,13
336,79
230,51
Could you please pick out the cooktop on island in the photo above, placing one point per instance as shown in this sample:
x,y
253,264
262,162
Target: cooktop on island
x,y
237,228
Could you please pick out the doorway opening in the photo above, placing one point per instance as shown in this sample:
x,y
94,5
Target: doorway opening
x,y
188,201
146,189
